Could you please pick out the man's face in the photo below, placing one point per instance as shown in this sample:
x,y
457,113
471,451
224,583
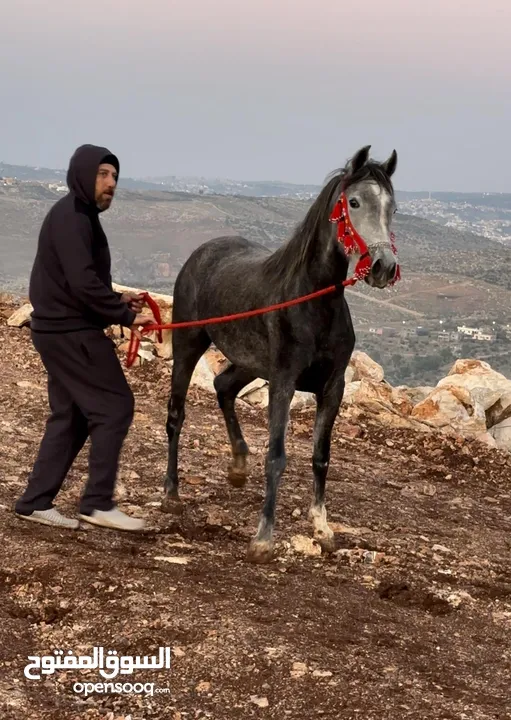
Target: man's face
x,y
106,181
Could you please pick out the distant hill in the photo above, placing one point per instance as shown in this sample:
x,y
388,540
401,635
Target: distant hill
x,y
487,199
160,227
450,277
197,185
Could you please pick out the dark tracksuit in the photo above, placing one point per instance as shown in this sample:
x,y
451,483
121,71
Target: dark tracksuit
x,y
71,293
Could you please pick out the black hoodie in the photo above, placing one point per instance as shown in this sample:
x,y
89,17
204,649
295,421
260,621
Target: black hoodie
x,y
70,284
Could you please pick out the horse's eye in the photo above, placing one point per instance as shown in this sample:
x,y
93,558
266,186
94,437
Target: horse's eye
x,y
354,203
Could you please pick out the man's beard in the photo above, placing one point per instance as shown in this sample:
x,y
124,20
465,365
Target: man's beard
x,y
105,201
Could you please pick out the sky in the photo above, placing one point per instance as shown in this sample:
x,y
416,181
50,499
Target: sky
x,y
262,89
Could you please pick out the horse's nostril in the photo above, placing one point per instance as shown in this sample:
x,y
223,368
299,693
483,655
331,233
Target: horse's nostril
x,y
376,267
392,271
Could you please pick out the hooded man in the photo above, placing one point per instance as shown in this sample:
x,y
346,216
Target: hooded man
x,y
73,302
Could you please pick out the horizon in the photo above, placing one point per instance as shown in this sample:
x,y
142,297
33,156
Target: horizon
x,y
221,178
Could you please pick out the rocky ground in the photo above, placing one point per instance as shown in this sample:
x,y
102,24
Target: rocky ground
x,y
410,618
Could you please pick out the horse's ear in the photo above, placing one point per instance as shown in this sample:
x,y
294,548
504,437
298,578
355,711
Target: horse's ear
x,y
390,165
358,160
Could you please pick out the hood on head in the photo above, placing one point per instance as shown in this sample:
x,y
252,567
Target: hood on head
x,y
83,169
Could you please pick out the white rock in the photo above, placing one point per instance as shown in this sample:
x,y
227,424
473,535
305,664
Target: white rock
x,y
256,384
349,374
452,408
416,394
258,398
305,545
487,439
501,433
203,376
484,384
173,559
500,411
21,316
302,399
365,368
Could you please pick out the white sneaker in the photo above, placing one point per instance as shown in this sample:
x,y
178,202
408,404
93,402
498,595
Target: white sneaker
x,y
114,519
51,517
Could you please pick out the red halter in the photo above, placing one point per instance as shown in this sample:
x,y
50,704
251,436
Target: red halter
x,y
355,243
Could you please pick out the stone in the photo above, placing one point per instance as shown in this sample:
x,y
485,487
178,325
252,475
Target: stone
x,y
487,439
203,686
256,384
501,433
499,411
21,316
305,545
302,400
173,559
440,548
452,408
203,376
485,385
299,669
258,397
146,352
216,360
365,368
367,392
417,394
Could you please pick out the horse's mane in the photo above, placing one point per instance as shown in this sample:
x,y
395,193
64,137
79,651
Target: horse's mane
x,y
298,252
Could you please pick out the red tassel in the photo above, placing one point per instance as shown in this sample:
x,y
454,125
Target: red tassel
x,y
350,245
363,267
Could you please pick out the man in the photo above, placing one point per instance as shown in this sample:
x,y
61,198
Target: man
x,y
73,302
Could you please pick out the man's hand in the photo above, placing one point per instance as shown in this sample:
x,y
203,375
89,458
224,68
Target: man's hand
x,y
135,301
141,320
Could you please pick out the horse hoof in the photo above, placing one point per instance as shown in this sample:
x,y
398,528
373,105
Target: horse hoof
x,y
260,551
171,505
237,477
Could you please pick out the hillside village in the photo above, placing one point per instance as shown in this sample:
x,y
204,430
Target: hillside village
x,y
492,221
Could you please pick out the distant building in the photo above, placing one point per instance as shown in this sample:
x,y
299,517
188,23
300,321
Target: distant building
x,y
470,331
448,337
485,336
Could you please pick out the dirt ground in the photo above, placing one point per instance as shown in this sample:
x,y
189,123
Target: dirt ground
x,y
411,618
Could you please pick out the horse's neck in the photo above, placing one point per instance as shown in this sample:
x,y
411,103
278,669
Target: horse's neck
x,y
328,264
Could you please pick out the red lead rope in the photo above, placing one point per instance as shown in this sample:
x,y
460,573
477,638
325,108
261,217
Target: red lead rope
x,y
346,234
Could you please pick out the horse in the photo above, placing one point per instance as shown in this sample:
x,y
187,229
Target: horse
x,y
305,347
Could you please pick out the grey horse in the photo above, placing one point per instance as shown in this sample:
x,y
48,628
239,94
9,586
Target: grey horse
x,y
305,347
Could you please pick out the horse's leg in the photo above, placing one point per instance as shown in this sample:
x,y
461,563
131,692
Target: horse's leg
x,y
328,403
187,351
281,390
227,385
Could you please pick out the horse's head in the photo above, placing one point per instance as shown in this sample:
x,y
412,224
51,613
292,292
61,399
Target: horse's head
x,y
364,212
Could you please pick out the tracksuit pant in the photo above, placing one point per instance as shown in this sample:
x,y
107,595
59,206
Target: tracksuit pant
x,y
89,396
